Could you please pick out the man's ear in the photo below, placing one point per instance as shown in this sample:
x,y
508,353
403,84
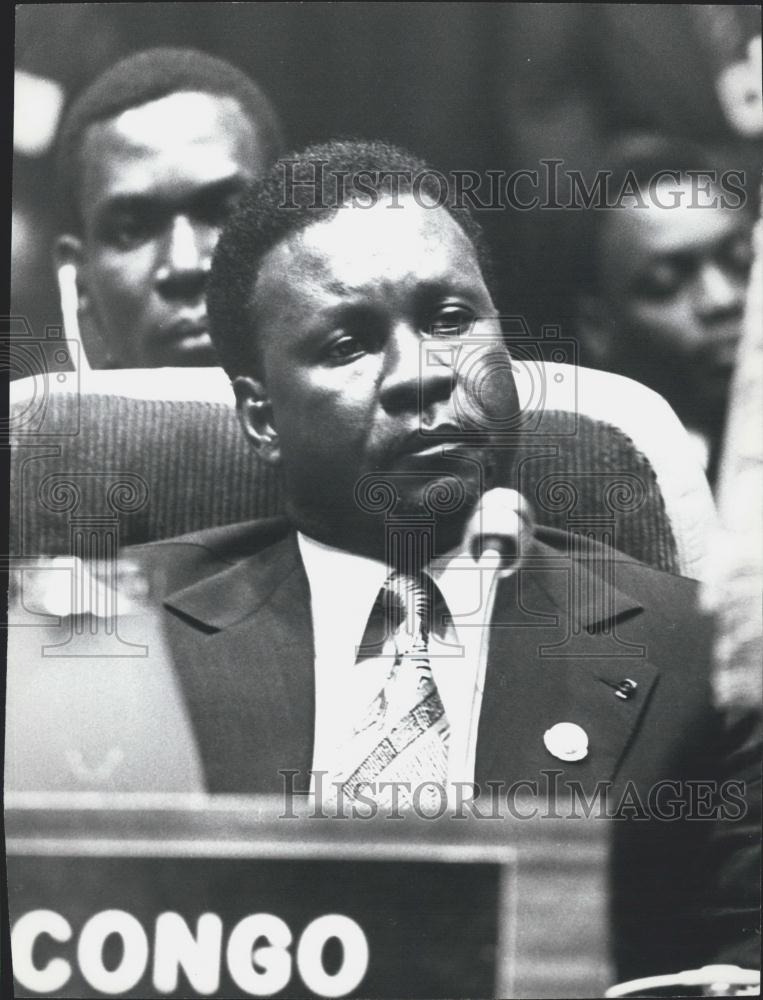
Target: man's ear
x,y
255,413
596,330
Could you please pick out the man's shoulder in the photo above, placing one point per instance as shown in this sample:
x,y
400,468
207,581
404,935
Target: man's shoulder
x,y
201,553
650,586
188,558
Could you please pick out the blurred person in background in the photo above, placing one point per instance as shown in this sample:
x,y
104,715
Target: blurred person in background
x,y
668,265
734,593
151,158
575,75
37,103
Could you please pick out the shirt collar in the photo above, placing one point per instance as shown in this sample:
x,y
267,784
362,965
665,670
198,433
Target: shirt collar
x,y
344,586
455,575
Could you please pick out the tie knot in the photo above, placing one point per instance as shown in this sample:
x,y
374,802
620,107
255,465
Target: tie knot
x,y
408,602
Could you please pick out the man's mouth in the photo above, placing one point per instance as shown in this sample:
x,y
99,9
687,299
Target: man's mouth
x,y
719,361
721,344
186,341
433,442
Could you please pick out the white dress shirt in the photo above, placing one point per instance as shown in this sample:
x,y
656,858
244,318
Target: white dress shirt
x,y
343,589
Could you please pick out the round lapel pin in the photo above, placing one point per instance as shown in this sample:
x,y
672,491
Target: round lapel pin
x,y
566,741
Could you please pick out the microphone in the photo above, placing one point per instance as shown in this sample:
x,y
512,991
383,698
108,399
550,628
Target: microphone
x,y
499,529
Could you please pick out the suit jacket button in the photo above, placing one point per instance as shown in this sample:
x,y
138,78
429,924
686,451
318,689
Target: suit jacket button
x,y
566,741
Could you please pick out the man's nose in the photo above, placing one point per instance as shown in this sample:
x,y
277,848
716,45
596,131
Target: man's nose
x,y
417,374
719,292
185,260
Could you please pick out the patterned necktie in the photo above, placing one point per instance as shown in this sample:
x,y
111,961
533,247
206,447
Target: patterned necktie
x,y
403,736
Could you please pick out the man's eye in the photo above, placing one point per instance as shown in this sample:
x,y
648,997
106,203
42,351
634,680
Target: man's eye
x,y
737,255
215,211
128,231
344,348
660,281
451,321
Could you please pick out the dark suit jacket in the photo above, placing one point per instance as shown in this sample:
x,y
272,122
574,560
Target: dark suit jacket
x,y
574,623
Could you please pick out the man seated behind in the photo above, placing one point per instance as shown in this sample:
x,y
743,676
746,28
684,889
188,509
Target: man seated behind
x,y
355,647
667,271
151,158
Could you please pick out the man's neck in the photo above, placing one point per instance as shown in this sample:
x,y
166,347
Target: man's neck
x,y
407,544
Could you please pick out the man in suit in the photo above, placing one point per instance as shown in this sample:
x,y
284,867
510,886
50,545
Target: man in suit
x,y
361,647
151,159
350,306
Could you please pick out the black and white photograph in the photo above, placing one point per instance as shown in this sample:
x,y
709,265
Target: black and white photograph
x,y
384,544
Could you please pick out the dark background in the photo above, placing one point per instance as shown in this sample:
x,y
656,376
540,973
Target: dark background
x,y
465,85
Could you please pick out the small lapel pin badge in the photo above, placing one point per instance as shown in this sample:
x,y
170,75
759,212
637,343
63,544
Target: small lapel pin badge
x,y
625,689
566,741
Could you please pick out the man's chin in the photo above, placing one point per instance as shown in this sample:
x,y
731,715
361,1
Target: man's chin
x,y
434,508
202,357
440,507
444,495
178,349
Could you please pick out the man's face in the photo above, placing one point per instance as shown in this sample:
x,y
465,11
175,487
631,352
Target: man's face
x,y
380,353
674,280
158,183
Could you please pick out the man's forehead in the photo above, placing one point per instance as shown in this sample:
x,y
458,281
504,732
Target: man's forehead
x,y
179,118
182,140
359,246
659,229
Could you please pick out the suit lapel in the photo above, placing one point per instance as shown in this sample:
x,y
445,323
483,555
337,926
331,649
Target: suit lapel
x,y
556,655
247,670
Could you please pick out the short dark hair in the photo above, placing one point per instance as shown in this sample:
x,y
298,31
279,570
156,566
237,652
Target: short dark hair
x,y
143,77
634,159
300,189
